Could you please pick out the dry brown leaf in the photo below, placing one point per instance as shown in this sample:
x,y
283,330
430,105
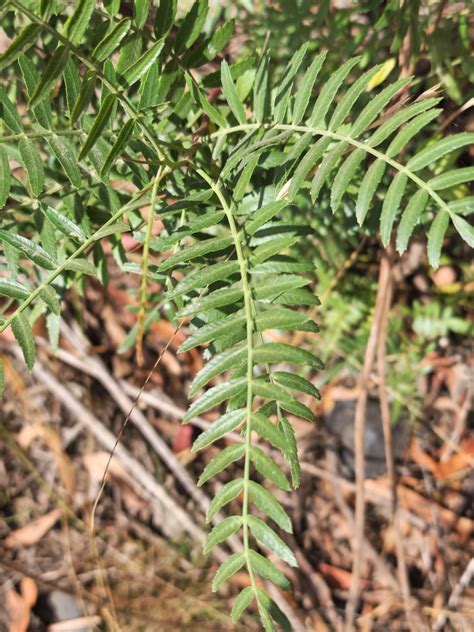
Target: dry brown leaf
x,y
19,606
96,465
34,531
53,441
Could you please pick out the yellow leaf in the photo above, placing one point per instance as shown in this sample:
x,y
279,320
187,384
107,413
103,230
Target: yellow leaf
x,y
381,75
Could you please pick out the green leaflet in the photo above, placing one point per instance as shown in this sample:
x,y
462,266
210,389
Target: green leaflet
x,y
274,352
464,206
296,383
81,265
222,531
25,40
64,153
309,161
215,396
50,75
63,223
112,229
202,101
241,603
410,217
5,177
13,289
164,17
100,123
268,468
77,24
464,229
375,106
84,96
452,178
267,430
411,129
261,92
435,237
328,164
30,75
204,277
305,89
108,45
269,539
264,215
267,503
33,164
49,296
347,102
198,250
245,177
284,319
225,361
29,249
228,455
24,335
291,451
230,93
218,298
283,91
72,84
226,494
207,220
9,114
220,39
344,176
232,565
328,92
439,149
266,569
191,26
118,147
225,424
391,204
213,331
368,187
286,401
139,67
269,608
141,8
404,115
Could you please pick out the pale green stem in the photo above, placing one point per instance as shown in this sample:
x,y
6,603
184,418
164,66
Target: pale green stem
x,y
352,141
249,309
145,263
